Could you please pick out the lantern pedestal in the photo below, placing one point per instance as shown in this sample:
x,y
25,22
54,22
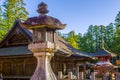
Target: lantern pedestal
x,y
43,52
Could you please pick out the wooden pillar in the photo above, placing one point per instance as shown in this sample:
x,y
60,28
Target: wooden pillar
x,y
69,75
78,76
64,68
1,77
1,63
60,76
93,76
81,75
117,76
43,54
113,76
84,66
105,77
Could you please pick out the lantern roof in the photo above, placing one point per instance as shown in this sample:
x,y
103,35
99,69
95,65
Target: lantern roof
x,y
43,20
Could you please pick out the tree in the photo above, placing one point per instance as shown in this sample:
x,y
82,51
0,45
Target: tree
x,y
0,15
11,10
88,38
95,37
116,42
117,21
72,39
92,40
79,41
2,29
109,36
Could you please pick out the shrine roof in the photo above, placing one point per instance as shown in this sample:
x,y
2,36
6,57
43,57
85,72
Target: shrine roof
x,y
103,53
67,50
61,45
15,30
82,54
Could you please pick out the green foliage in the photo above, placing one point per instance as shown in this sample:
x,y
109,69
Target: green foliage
x,y
93,39
9,12
97,37
116,42
110,36
117,20
71,38
2,33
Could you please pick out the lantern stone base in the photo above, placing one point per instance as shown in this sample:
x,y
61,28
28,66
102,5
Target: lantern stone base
x,y
43,70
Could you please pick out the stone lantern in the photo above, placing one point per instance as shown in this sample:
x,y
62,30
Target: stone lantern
x,y
43,45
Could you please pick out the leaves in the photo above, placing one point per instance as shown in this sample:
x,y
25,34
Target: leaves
x,y
9,12
93,39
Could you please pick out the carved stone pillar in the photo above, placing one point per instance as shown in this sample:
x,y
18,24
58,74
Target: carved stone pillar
x,y
43,45
43,52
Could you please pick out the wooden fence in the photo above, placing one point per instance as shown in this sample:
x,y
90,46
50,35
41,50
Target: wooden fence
x,y
82,76
70,76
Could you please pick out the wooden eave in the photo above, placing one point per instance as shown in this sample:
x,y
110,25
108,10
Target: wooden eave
x,y
15,51
17,56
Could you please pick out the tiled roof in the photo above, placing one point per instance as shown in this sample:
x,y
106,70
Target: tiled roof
x,y
103,52
64,47
82,54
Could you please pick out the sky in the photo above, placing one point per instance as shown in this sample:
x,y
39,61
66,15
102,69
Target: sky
x,y
78,14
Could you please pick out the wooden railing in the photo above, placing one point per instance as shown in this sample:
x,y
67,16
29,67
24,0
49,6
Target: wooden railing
x,y
81,76
69,76
117,76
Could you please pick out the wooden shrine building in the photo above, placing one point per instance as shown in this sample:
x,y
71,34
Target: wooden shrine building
x,y
104,67
32,50
103,57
